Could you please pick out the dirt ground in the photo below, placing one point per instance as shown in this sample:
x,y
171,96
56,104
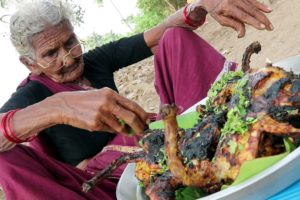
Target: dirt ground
x,y
136,82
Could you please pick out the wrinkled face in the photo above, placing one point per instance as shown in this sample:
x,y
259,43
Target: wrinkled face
x,y
58,54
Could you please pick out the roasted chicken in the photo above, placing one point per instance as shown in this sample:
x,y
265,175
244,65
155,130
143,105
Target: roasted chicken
x,y
246,116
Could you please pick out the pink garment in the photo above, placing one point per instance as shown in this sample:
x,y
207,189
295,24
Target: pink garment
x,y
50,84
185,67
29,174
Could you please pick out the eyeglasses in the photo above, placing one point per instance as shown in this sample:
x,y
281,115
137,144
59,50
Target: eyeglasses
x,y
75,52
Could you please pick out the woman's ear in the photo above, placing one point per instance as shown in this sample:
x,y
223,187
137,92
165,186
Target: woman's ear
x,y
32,66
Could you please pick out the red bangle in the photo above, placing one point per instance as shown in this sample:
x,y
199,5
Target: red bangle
x,y
190,22
10,134
3,128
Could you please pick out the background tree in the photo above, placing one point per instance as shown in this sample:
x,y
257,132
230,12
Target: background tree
x,y
95,40
3,3
78,11
152,12
99,2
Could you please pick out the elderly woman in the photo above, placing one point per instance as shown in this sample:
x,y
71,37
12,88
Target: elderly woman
x,y
68,109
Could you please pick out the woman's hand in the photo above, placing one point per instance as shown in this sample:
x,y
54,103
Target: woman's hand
x,y
237,13
101,110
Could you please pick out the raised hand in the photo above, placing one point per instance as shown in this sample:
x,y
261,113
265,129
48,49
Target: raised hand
x,y
237,13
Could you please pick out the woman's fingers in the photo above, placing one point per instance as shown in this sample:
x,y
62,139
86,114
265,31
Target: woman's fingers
x,y
254,16
243,17
131,116
102,110
134,107
114,109
237,13
113,122
260,6
232,23
106,128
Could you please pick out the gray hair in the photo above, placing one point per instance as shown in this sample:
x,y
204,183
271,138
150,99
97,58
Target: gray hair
x,y
32,18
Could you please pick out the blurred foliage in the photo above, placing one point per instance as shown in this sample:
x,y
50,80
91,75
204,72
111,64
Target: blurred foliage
x,y
78,13
99,2
152,12
95,40
3,3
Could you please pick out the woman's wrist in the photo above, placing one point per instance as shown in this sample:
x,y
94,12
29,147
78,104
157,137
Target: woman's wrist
x,y
29,121
195,13
53,105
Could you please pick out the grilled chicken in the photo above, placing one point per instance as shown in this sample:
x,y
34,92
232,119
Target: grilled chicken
x,y
257,106
246,116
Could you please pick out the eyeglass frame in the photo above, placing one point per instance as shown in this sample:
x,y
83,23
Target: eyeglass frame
x,y
80,43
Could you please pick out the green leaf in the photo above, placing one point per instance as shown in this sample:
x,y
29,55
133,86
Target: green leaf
x,y
128,128
232,146
185,121
253,167
289,146
188,193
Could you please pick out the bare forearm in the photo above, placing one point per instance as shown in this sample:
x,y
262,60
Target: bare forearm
x,y
30,121
196,13
153,35
92,110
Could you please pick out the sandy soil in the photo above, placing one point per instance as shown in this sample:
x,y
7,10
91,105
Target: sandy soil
x,y
136,82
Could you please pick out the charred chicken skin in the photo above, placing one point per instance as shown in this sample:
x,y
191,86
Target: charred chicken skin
x,y
246,116
264,100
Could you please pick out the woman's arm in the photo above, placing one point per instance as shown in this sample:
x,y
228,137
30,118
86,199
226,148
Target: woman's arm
x,y
153,35
231,13
93,110
29,121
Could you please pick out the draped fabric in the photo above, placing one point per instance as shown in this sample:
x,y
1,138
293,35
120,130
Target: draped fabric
x,y
185,68
54,87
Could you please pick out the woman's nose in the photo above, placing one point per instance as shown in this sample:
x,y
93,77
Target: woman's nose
x,y
67,60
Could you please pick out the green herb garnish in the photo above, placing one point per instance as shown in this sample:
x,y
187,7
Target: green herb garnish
x,y
128,128
188,193
163,162
232,146
236,116
218,85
